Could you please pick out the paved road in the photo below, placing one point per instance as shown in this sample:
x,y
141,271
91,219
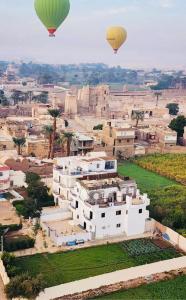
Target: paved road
x,y
2,294
112,278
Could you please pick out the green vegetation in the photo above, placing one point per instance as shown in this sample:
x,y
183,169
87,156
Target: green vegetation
x,y
18,243
173,289
173,108
70,266
169,206
172,166
38,197
167,197
32,177
25,286
178,124
146,180
98,127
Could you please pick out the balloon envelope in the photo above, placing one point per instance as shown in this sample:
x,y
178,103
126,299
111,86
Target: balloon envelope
x,y
116,36
52,13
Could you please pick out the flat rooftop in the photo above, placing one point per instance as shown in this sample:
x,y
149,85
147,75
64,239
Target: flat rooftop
x,y
66,227
105,183
8,214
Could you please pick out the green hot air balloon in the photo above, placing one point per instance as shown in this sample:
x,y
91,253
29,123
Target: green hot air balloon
x,y
52,13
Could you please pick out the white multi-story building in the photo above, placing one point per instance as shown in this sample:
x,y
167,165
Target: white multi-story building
x,y
109,206
4,178
68,169
101,202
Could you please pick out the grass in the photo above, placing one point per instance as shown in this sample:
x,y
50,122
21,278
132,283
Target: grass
x,y
65,267
173,289
146,180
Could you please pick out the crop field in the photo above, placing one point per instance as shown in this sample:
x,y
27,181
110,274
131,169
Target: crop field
x,y
146,180
172,166
83,263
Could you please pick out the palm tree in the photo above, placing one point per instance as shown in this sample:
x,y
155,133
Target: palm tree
x,y
48,131
157,94
68,136
61,141
54,113
19,142
138,116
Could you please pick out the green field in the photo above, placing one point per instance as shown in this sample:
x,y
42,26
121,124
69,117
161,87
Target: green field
x,y
146,180
166,290
64,267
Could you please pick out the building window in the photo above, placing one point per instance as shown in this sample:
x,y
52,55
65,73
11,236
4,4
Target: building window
x,y
77,204
103,215
119,141
126,212
98,166
91,215
140,211
103,227
118,225
128,141
109,165
124,197
118,213
77,216
1,173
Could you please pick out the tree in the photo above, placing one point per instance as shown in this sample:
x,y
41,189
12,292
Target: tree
x,y
138,116
61,141
32,177
25,286
67,136
157,95
3,99
42,98
18,96
48,131
54,113
19,142
178,125
98,127
38,192
173,109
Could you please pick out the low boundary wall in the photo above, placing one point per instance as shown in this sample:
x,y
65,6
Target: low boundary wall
x,y
3,273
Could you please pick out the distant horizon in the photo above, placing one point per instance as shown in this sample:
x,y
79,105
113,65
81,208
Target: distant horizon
x,y
156,33
27,61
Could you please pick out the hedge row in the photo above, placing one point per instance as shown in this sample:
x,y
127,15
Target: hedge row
x,y
18,243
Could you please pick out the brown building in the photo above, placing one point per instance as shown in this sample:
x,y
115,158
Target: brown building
x,y
121,137
37,146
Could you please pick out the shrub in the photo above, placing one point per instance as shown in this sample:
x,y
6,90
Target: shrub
x,y
8,261
25,286
32,177
14,244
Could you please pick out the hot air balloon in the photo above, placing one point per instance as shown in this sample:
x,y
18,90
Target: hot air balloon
x,y
52,13
116,36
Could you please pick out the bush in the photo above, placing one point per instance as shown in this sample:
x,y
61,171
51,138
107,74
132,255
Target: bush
x,y
8,261
25,286
32,177
20,243
98,127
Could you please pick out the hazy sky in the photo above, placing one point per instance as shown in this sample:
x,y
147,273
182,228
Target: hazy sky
x,y
156,33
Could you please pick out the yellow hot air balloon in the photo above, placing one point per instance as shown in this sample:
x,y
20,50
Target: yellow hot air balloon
x,y
116,37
